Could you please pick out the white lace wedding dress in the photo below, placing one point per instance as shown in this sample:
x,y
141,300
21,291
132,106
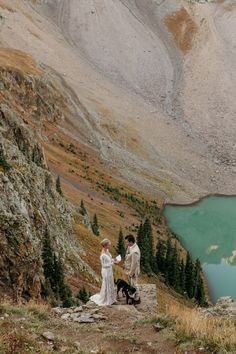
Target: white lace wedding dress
x,y
107,295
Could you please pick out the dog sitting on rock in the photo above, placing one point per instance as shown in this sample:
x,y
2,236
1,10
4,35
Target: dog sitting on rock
x,y
127,291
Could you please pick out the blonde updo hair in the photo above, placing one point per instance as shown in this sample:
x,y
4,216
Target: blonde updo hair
x,y
105,242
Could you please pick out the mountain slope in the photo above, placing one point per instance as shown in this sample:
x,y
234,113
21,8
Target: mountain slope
x,y
159,113
29,203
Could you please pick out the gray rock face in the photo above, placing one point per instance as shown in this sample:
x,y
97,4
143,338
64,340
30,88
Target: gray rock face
x,y
85,319
225,307
48,335
148,295
28,200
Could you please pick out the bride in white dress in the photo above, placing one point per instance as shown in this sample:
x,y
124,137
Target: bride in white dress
x,y
107,295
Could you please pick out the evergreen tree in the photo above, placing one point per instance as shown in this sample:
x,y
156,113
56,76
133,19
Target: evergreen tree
x,y
189,276
58,185
144,249
82,209
161,256
182,277
95,226
48,258
59,278
199,291
47,291
66,296
147,230
60,286
120,249
55,286
168,258
140,238
173,275
83,295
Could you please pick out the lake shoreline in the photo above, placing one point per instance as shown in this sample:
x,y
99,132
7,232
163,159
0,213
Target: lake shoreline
x,y
196,201
205,228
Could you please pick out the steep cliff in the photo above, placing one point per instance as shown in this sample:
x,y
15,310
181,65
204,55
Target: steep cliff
x,y
29,201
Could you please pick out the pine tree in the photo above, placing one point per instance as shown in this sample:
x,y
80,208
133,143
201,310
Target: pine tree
x,y
182,277
58,185
199,291
55,286
66,296
48,258
173,269
189,276
161,256
147,230
144,242
95,226
61,287
140,238
47,291
82,209
58,276
169,251
83,295
120,249
200,295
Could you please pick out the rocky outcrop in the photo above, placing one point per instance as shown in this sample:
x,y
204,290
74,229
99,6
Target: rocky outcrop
x,y
91,312
148,295
225,307
28,200
81,314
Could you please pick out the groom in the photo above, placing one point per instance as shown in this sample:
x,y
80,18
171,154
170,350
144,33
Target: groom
x,y
132,264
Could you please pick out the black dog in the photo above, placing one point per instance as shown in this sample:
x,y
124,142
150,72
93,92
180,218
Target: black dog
x,y
127,290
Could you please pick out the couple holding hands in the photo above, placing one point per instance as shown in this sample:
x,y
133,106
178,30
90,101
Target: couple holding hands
x,y
107,295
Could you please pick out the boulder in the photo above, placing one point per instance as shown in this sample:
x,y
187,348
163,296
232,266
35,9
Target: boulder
x,y
48,335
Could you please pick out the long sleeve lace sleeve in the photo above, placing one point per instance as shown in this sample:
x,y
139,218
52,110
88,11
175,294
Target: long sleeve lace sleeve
x,y
106,261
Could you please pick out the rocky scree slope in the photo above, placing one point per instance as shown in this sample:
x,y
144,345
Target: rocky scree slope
x,y
29,202
149,73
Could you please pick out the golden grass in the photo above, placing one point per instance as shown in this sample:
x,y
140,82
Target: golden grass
x,y
40,310
91,245
21,327
18,61
216,334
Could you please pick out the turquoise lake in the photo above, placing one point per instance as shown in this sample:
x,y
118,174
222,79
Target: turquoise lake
x,y
208,230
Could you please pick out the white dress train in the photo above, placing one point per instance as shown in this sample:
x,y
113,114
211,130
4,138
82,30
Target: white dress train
x,y
107,295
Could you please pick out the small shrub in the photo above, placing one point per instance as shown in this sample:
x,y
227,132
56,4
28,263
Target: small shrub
x,y
83,295
95,226
71,147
